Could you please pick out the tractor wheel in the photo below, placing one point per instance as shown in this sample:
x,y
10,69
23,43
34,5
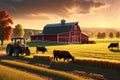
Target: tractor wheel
x,y
27,52
16,52
9,50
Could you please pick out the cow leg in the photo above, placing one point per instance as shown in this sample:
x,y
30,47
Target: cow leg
x,y
55,58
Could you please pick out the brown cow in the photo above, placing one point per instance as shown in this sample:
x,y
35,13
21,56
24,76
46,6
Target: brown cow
x,y
113,45
62,54
41,48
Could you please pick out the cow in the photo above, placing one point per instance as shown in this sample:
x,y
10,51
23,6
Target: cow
x,y
113,45
62,54
41,48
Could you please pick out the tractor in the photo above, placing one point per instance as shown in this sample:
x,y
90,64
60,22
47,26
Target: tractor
x,y
16,47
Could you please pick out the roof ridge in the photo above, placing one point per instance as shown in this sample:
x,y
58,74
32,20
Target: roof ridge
x,y
60,23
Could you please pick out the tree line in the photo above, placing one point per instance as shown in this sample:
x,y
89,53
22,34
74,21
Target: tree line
x,y
104,34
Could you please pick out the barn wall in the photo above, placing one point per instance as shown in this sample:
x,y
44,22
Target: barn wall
x,y
50,38
84,38
40,38
75,34
33,38
36,38
63,37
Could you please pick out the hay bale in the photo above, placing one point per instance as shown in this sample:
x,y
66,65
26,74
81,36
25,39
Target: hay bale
x,y
99,63
46,58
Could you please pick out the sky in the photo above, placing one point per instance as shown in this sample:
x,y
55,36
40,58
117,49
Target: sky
x,y
35,14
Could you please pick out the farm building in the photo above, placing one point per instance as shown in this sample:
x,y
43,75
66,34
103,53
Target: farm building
x,y
62,32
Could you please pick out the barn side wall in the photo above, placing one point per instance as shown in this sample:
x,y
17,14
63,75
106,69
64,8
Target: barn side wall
x,y
33,38
36,38
52,38
84,38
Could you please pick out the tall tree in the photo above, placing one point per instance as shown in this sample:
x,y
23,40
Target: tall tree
x,y
5,26
18,31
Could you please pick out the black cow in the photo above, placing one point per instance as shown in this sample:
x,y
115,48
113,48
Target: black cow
x,y
113,45
62,54
41,48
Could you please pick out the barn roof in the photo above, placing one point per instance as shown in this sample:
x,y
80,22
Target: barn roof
x,y
58,28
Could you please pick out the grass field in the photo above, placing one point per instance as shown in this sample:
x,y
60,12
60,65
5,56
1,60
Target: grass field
x,y
97,51
55,74
58,70
7,73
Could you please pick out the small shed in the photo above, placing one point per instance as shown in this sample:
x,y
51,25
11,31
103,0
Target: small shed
x,y
61,32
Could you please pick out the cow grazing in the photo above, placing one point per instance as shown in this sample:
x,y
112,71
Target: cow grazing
x,y
113,45
62,54
41,48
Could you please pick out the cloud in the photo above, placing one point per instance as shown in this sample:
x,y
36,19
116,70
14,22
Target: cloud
x,y
64,8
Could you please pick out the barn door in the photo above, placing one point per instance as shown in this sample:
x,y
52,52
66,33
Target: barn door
x,y
74,39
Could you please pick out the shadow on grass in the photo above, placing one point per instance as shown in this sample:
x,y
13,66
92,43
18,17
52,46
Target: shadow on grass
x,y
63,66
114,50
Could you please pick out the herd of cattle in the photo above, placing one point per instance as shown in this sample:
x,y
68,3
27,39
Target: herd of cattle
x,y
58,54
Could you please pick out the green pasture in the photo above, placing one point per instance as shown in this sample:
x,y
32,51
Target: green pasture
x,y
96,51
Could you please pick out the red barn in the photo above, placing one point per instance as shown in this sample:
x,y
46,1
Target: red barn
x,y
62,32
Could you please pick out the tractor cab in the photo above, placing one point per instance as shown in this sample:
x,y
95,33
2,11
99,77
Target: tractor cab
x,y
18,41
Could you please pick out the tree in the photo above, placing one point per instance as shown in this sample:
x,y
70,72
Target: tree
x,y
101,35
31,33
91,34
118,35
98,35
18,31
111,35
5,26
